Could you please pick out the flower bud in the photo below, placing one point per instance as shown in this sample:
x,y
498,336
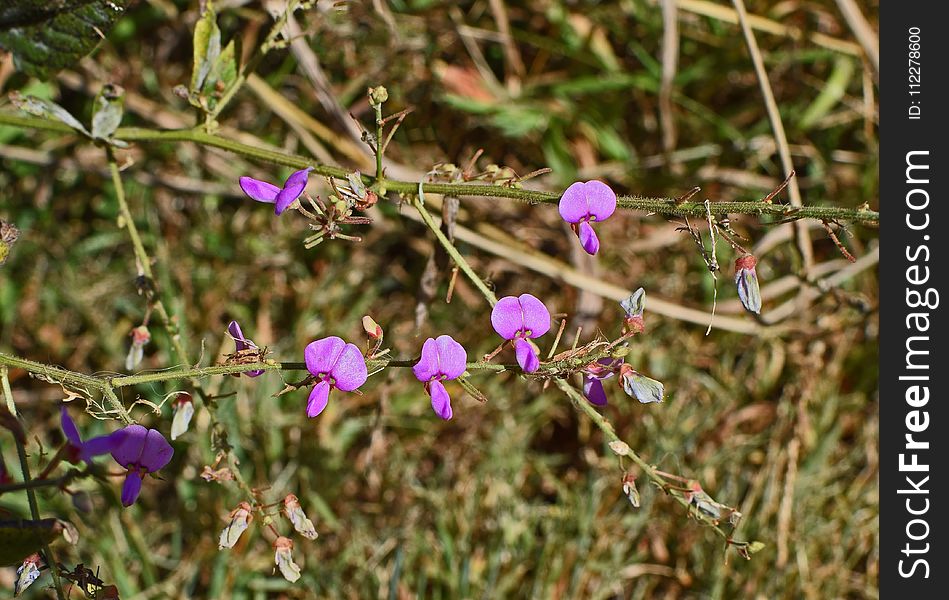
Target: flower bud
x,y
184,411
634,307
746,279
239,521
283,557
140,337
372,329
640,387
294,512
378,95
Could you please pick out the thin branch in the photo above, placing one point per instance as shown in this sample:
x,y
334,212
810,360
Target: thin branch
x,y
657,205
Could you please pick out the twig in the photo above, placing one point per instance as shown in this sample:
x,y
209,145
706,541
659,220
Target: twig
x,y
657,205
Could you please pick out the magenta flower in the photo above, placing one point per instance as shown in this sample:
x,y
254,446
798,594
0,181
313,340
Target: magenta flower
x,y
79,450
140,451
281,198
442,358
746,279
334,364
242,344
520,319
582,203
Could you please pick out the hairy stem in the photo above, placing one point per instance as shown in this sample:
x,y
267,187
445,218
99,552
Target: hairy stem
x,y
657,205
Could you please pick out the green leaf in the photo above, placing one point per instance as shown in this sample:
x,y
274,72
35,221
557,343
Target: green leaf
x,y
107,113
48,35
222,75
47,109
20,538
207,48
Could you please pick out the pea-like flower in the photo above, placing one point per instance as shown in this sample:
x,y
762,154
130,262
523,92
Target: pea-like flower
x,y
334,364
746,279
442,358
283,557
593,376
79,450
583,203
520,319
140,451
242,344
281,198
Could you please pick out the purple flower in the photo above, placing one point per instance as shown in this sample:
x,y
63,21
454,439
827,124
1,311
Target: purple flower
x,y
79,450
140,451
594,374
242,344
281,198
519,319
333,363
442,358
747,281
582,203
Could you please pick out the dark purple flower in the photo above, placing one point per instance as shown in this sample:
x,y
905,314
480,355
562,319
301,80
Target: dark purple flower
x,y
334,364
519,319
582,203
747,281
140,451
79,450
281,198
594,374
242,343
442,358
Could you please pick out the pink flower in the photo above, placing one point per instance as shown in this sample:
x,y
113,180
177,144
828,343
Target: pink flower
x,y
334,364
519,319
583,203
442,358
281,198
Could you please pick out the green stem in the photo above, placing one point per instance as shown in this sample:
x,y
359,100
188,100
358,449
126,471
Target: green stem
x,y
419,204
379,173
31,494
600,421
657,205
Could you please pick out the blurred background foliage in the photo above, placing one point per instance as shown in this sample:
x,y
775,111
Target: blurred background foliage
x,y
518,497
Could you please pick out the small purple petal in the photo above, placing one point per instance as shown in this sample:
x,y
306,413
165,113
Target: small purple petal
x,y
104,444
452,357
131,488
593,391
536,317
441,401
128,449
156,452
69,427
581,201
240,341
292,189
601,200
526,355
426,368
318,399
258,190
321,356
588,239
573,205
350,371
506,317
